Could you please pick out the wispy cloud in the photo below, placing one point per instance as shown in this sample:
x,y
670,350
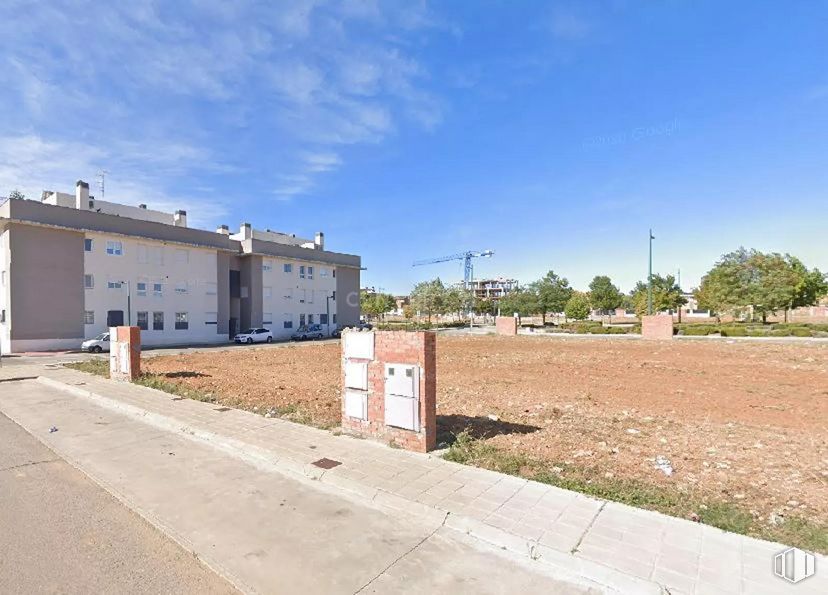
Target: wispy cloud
x,y
158,91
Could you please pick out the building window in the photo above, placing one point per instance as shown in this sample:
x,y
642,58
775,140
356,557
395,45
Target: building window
x,y
323,319
210,288
288,321
333,295
114,248
288,268
289,293
2,316
181,287
334,273
113,284
301,271
302,294
158,321
89,317
301,320
141,288
267,265
88,281
310,272
334,318
267,319
268,292
310,296
143,321
211,318
157,289
323,272
182,256
181,323
310,318
87,245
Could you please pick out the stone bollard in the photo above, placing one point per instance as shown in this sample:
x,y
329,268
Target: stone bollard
x,y
657,327
124,352
506,325
389,387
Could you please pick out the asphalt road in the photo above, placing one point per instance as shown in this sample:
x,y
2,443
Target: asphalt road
x,y
61,533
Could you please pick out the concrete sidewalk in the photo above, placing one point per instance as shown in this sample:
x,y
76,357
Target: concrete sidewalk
x,y
623,548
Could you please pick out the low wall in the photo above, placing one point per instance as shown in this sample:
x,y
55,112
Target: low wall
x,y
506,325
657,327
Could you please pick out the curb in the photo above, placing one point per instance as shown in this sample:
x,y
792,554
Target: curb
x,y
568,566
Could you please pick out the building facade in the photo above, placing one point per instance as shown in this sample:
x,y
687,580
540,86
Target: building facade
x,y
72,266
493,289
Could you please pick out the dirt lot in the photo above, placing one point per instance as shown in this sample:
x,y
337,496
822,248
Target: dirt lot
x,y
743,423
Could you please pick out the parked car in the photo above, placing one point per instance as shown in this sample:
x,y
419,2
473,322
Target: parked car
x,y
308,331
96,345
254,335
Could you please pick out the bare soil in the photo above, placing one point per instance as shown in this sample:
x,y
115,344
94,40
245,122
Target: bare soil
x,y
745,423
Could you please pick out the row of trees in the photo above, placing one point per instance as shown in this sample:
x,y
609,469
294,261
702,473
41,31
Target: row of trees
x,y
552,293
432,297
760,283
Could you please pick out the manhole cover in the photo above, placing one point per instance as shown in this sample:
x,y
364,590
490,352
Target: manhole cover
x,y
326,463
222,409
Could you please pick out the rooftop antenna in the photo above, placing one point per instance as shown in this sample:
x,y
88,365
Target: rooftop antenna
x,y
101,180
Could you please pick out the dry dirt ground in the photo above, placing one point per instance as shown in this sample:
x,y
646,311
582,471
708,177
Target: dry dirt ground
x,y
745,423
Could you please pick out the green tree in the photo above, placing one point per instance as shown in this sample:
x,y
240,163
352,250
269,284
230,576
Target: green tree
x,y
666,295
577,307
553,292
429,297
16,194
603,295
811,287
522,301
762,283
408,312
376,305
458,300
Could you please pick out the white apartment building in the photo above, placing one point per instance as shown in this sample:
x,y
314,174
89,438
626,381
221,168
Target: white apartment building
x,y
72,266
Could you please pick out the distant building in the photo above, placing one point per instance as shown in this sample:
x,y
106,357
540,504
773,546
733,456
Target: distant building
x,y
72,266
493,289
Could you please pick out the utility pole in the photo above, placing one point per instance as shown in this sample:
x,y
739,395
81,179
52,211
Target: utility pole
x,y
650,277
101,181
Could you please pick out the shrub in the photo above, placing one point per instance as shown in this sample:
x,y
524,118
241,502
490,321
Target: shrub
x,y
801,332
618,330
697,330
734,331
597,330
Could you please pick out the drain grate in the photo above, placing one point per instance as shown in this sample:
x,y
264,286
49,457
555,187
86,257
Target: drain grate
x,y
222,409
324,463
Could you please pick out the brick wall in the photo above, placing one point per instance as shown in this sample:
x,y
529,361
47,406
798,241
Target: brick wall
x,y
506,325
657,327
397,347
124,352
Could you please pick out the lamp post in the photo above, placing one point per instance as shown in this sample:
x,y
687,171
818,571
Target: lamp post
x,y
328,299
129,303
650,277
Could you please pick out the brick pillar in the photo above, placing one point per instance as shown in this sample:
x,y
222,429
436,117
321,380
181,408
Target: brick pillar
x,y
506,325
124,352
657,327
385,367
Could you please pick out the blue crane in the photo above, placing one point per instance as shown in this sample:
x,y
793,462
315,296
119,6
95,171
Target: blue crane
x,y
466,257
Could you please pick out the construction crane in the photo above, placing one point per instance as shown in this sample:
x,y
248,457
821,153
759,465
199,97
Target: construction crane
x,y
466,257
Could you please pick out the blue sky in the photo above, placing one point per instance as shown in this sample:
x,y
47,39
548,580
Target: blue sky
x,y
554,133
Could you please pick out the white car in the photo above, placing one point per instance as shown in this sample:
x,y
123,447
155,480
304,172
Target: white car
x,y
254,335
96,345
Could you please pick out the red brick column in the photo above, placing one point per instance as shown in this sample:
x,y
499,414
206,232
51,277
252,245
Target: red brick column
x,y
389,347
124,352
657,327
506,325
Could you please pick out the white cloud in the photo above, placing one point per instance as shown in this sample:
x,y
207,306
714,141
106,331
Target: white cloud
x,y
565,24
158,91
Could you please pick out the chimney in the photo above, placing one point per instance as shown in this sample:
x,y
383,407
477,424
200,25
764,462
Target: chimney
x,y
319,241
180,219
81,195
246,231
223,230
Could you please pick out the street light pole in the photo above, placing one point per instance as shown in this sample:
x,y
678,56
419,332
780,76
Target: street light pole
x,y
650,277
328,313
